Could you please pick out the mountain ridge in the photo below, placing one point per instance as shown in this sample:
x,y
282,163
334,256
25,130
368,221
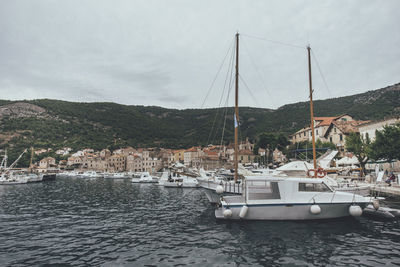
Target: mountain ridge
x,y
98,125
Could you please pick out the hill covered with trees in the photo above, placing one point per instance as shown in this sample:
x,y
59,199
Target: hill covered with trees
x,y
47,123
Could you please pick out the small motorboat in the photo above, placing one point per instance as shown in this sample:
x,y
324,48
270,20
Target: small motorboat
x,y
144,177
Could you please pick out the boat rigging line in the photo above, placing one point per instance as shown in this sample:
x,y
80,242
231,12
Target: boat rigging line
x,y
248,90
228,75
273,41
321,73
258,73
219,70
226,115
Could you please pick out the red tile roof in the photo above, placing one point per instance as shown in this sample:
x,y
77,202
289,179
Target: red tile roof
x,y
349,126
324,121
245,152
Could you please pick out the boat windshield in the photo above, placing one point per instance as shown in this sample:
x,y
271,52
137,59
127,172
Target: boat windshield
x,y
314,187
258,190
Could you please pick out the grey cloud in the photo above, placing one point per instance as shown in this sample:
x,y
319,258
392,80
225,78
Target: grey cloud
x,y
167,53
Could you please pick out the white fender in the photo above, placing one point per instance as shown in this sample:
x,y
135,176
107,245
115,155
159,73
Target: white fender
x,y
315,209
227,213
219,189
243,211
355,210
375,203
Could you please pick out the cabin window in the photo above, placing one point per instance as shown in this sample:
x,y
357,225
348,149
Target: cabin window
x,y
258,190
313,187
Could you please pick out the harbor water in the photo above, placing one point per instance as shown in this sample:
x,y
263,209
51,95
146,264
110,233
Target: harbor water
x,y
109,222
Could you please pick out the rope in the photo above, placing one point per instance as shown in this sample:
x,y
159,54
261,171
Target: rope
x,y
258,72
322,75
248,89
219,70
230,68
272,41
226,101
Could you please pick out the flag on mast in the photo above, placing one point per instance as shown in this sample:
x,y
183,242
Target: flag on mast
x,y
236,122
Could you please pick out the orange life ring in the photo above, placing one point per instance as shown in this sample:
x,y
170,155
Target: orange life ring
x,y
320,173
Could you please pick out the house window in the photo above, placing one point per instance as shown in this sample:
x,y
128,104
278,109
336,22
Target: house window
x,y
344,119
341,137
330,139
334,129
317,132
304,133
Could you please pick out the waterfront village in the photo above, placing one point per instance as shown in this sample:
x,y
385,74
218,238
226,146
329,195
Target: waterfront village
x,y
327,129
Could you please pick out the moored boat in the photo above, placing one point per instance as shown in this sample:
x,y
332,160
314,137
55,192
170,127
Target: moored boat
x,y
144,177
277,198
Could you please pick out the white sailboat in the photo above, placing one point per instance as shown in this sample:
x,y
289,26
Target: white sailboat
x,y
287,198
8,176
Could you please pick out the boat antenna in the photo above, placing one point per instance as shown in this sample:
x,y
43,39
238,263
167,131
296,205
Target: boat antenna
x,y
312,110
236,118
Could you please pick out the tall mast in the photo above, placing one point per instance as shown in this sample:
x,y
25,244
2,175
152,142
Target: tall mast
x,y
30,163
312,110
236,119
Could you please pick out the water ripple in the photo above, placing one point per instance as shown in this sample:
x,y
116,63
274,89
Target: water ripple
x,y
116,223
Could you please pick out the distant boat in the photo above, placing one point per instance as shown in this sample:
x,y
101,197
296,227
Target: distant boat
x,y
116,175
180,181
144,177
8,176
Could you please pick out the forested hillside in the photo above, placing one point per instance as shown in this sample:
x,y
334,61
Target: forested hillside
x,y
47,123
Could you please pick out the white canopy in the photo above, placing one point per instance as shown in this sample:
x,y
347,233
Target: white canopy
x,y
347,161
296,166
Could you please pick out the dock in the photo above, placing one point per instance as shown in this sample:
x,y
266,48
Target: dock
x,y
385,190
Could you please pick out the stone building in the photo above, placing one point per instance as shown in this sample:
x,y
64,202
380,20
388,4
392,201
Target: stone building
x,y
47,163
116,163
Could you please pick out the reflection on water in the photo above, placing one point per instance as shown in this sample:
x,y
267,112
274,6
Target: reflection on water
x,y
114,222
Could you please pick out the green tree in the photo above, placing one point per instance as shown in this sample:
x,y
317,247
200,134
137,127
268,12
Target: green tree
x,y
387,144
356,144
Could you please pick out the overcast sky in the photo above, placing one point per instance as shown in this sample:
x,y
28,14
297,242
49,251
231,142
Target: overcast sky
x,y
167,53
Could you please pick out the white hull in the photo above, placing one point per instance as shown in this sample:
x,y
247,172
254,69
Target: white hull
x,y
295,211
183,184
212,196
361,190
13,182
138,181
116,176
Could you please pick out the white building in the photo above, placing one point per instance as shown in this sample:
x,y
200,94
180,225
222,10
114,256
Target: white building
x,y
64,151
78,153
369,130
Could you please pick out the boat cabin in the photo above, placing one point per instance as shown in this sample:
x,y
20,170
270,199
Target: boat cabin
x,y
278,190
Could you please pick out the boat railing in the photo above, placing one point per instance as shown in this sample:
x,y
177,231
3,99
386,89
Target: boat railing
x,y
235,188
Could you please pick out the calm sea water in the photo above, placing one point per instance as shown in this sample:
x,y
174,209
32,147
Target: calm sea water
x,y
116,223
